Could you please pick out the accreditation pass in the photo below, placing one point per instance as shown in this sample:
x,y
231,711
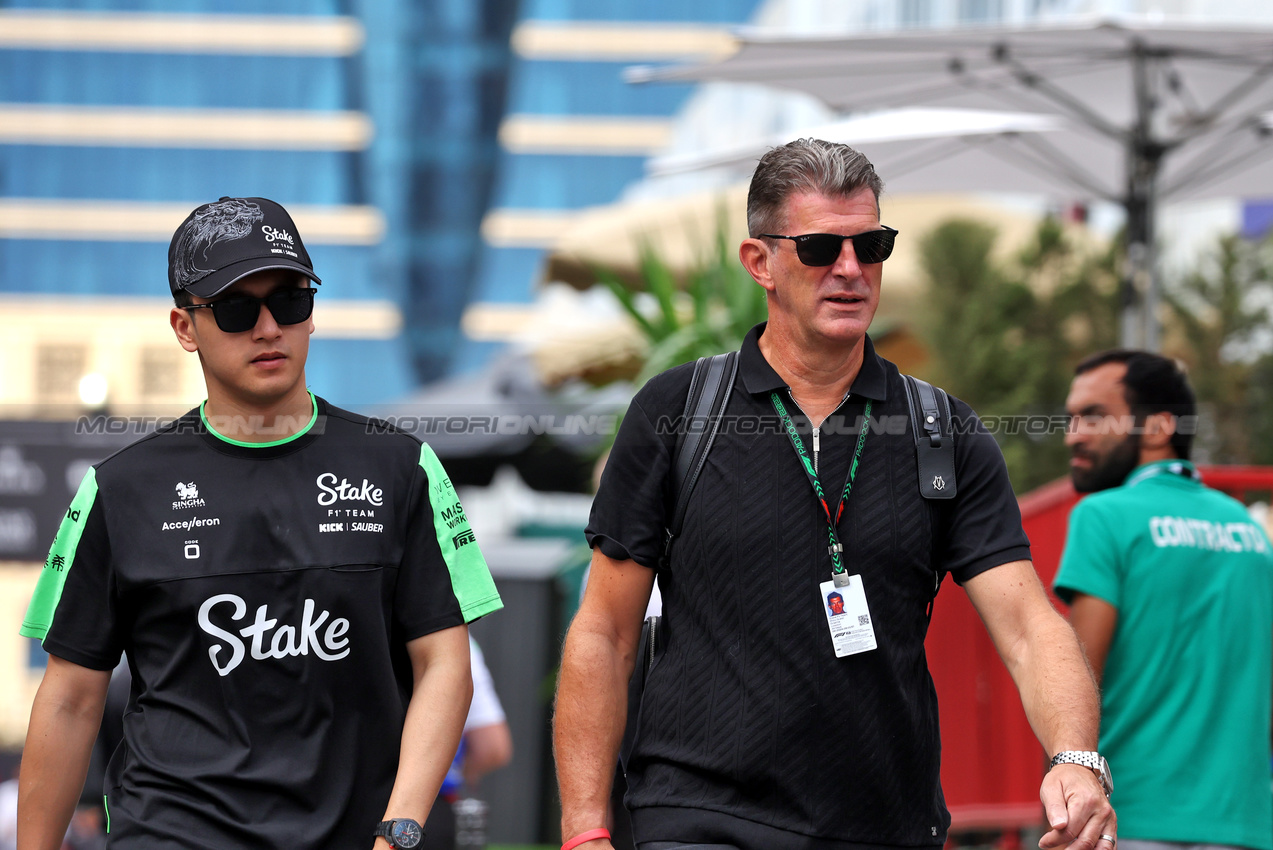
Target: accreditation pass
x,y
848,618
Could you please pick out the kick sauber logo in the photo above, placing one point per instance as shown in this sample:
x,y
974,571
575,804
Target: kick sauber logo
x,y
187,496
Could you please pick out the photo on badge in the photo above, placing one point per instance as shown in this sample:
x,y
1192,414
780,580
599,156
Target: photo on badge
x,y
848,617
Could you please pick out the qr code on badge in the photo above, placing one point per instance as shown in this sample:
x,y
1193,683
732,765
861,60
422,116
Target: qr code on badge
x,y
864,619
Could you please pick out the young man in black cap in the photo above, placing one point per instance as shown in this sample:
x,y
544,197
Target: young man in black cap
x,y
290,583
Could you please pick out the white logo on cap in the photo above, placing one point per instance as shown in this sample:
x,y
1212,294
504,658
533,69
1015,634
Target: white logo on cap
x,y
272,235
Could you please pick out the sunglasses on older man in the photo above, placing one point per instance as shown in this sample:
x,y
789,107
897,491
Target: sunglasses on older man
x,y
822,249
238,313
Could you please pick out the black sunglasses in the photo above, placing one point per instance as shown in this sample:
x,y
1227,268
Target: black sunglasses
x,y
238,313
822,249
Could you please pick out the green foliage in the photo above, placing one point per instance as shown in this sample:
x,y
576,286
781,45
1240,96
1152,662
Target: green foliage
x,y
1004,337
709,312
1260,410
1221,312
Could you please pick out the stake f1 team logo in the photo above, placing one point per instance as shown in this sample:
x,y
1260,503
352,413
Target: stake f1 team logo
x,y
272,235
329,492
187,496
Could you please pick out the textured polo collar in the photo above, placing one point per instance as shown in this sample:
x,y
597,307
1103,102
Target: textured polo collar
x,y
759,377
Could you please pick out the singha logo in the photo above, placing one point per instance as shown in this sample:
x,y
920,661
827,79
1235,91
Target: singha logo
x,y
187,496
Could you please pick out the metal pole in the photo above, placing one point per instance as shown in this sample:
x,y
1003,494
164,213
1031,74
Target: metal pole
x,y
1140,288
1130,300
1153,281
1139,293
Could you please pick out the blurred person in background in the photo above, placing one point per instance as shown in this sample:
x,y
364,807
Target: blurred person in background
x,y
1170,585
9,812
487,745
291,584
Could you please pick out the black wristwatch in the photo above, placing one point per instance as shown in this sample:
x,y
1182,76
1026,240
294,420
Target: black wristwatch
x,y
401,833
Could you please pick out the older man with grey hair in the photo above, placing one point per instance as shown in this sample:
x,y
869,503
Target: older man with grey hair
x,y
769,718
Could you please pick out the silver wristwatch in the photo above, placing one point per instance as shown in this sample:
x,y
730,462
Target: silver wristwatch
x,y
1091,760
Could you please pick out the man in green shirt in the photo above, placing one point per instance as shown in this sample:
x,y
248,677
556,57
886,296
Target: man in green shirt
x,y
1171,588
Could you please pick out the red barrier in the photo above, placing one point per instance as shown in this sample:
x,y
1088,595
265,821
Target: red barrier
x,y
991,762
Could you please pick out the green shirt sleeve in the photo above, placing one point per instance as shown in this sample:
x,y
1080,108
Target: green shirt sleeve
x,y
470,577
1091,562
48,587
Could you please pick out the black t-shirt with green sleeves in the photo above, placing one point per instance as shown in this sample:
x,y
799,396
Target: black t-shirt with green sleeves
x,y
751,728
264,595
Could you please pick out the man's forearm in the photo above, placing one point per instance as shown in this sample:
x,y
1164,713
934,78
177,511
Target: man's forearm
x,y
431,732
59,743
1057,689
588,726
486,748
1043,655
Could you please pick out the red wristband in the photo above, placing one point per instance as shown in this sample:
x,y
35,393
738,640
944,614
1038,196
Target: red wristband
x,y
585,837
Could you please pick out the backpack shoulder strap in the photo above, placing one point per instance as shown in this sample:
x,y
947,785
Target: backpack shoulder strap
x,y
709,393
934,438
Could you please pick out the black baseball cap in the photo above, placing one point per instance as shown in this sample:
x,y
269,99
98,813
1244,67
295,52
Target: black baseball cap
x,y
230,239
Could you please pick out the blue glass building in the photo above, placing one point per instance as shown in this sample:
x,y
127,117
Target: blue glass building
x,y
373,122
575,134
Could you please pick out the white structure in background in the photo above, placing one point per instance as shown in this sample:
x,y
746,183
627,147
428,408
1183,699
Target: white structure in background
x,y
726,116
500,510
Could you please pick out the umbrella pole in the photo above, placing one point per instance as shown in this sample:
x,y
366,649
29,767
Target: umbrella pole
x,y
1139,294
1153,280
1139,291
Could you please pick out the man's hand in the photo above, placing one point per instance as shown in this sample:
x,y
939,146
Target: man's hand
x,y
1077,810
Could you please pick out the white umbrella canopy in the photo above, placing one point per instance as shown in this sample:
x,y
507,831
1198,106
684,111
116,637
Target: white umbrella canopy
x,y
1153,111
931,150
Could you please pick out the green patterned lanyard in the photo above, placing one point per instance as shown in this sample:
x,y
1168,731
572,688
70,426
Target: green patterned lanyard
x,y
834,547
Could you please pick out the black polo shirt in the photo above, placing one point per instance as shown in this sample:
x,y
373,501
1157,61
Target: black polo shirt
x,y
751,729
